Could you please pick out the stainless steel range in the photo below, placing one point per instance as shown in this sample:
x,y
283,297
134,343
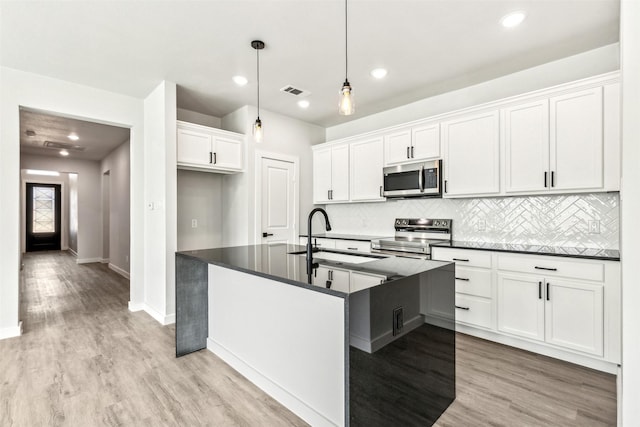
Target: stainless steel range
x,y
414,237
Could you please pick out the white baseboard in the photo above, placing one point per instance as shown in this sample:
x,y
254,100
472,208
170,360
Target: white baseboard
x,y
87,260
120,271
104,260
163,319
287,399
74,253
14,331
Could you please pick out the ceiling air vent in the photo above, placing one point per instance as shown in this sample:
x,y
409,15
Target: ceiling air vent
x,y
63,145
295,91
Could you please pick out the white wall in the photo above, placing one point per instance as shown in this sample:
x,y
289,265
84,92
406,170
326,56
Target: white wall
x,y
89,199
282,135
630,203
46,94
199,118
199,198
160,196
590,63
118,219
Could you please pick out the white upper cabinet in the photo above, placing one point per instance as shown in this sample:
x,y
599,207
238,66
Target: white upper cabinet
x,y
331,174
412,144
366,163
577,149
526,142
471,146
208,149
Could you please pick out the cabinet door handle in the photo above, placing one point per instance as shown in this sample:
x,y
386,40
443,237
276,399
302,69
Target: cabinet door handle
x,y
331,194
445,185
462,278
328,284
210,157
381,191
353,249
412,151
460,259
545,268
548,298
553,174
539,290
462,308
215,158
545,179
408,153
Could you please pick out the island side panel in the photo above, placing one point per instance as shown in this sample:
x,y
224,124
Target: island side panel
x,y
191,305
288,340
407,379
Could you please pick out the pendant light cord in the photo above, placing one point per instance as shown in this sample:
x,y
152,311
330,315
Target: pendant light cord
x,y
258,73
346,44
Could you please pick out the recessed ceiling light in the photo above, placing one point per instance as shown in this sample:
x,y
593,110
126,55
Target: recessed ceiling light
x,y
379,73
40,172
64,153
240,80
512,19
303,103
73,137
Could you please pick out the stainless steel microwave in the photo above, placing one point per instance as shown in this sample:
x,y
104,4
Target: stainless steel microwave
x,y
422,179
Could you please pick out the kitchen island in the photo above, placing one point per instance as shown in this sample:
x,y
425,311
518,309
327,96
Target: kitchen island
x,y
344,343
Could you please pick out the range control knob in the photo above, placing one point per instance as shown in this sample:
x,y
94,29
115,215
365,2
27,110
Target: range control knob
x,y
405,222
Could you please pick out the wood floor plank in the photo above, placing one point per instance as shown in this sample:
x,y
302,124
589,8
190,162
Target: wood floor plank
x,y
85,359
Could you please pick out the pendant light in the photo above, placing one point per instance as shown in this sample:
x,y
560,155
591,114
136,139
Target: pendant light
x,y
257,126
346,105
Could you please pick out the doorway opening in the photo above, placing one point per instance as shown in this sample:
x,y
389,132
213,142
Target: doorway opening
x,y
43,217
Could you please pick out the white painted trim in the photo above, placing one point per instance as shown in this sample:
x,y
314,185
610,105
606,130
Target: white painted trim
x,y
259,155
12,332
371,346
135,306
287,399
104,260
87,260
120,271
163,319
74,253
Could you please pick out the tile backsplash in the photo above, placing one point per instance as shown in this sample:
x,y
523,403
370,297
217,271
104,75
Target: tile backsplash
x,y
539,220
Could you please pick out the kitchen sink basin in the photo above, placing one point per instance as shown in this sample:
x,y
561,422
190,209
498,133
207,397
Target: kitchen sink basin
x,y
338,257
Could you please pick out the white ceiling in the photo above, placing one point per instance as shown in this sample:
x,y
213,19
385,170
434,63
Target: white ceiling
x,y
429,47
97,140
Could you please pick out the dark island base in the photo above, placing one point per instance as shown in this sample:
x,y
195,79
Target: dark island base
x,y
409,382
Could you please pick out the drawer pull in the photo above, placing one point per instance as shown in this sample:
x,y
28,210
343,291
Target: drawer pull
x,y
545,268
353,249
462,259
462,308
462,278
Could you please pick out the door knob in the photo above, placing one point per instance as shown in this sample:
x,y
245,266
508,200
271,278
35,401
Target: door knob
x,y
265,234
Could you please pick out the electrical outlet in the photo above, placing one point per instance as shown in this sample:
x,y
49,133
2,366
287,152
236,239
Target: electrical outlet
x,y
481,225
594,226
398,320
194,223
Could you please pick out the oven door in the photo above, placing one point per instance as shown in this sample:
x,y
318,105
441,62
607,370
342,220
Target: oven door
x,y
413,180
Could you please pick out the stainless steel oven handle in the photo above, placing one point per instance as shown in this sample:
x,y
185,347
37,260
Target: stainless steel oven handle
x,y
421,179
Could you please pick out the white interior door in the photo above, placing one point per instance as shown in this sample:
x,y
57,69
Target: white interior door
x,y
279,199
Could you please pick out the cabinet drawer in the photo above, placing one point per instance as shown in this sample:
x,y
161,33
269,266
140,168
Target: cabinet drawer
x,y
473,282
473,310
353,245
462,257
552,267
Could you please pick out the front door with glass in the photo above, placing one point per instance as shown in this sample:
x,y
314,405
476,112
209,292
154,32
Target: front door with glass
x,y
43,217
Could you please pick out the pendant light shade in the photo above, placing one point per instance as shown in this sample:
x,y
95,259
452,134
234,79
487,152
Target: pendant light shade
x,y
257,126
346,104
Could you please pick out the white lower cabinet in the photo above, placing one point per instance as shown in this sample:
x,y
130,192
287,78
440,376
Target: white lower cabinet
x,y
332,278
567,308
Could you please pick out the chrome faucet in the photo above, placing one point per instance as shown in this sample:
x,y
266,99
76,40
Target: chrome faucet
x,y
310,233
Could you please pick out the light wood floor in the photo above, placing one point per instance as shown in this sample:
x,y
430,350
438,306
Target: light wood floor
x,y
85,360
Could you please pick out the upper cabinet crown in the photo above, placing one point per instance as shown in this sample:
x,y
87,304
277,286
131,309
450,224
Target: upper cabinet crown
x,y
208,149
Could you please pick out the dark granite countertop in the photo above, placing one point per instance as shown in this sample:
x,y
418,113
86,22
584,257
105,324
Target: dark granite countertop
x,y
278,263
587,253
361,237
